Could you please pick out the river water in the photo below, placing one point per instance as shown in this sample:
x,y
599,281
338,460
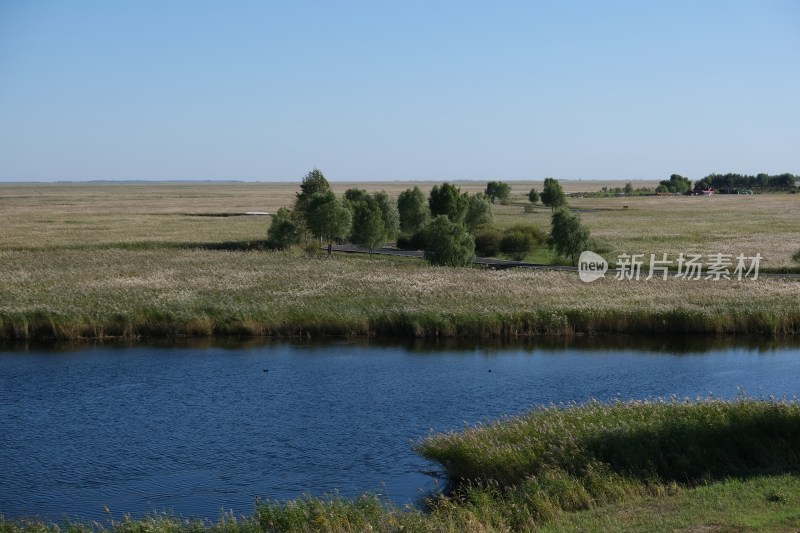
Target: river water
x,y
198,429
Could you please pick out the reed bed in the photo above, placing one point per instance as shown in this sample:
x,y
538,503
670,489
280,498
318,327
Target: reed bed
x,y
555,460
682,441
197,292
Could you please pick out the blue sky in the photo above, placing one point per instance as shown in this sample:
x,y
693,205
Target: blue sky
x,y
264,90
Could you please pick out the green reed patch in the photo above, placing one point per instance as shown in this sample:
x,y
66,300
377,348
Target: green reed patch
x,y
653,440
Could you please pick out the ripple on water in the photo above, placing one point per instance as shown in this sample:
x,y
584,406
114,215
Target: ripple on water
x,y
194,431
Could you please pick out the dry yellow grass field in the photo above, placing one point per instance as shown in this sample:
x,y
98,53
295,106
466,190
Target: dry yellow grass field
x,y
768,224
91,215
137,259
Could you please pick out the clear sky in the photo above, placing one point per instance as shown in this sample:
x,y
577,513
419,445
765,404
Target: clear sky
x,y
408,89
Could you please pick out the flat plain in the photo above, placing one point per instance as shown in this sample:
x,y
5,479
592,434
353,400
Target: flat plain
x,y
134,259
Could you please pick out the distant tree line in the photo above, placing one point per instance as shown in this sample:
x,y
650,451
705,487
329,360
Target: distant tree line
x,y
762,181
450,226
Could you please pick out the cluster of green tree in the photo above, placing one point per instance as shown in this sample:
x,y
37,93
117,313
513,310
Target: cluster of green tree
x,y
552,195
450,226
498,190
676,184
443,225
461,225
362,218
762,181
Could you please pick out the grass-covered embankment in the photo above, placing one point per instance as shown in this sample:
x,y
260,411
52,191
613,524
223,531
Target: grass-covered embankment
x,y
551,461
195,292
659,440
639,466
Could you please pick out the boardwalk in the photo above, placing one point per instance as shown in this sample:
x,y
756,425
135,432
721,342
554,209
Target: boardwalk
x,y
484,261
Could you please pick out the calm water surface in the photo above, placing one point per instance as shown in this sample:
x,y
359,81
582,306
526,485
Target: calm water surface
x,y
195,430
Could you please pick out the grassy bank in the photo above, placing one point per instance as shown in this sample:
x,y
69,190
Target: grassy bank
x,y
671,441
640,466
196,292
558,460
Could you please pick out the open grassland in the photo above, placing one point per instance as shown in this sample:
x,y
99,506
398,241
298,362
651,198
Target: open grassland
x,y
641,466
91,215
768,224
128,260
167,292
45,216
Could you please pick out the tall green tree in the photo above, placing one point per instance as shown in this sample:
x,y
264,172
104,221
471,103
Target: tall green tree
x,y
479,212
447,200
283,231
391,219
368,229
498,190
412,209
448,243
313,183
552,194
568,236
328,218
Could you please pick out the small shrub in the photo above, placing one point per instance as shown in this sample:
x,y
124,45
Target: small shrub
x,y
487,241
404,241
412,241
520,240
312,248
534,231
516,244
283,231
